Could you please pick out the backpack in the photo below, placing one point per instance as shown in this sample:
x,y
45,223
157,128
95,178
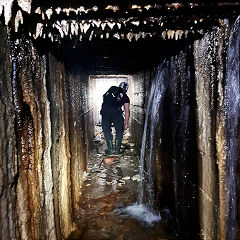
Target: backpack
x,y
113,96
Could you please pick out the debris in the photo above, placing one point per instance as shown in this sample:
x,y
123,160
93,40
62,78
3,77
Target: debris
x,y
136,177
110,159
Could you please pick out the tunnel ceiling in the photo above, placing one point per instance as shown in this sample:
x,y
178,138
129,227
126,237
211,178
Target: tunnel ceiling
x,y
99,31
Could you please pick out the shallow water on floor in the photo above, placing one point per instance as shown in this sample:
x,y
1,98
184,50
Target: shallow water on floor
x,y
108,209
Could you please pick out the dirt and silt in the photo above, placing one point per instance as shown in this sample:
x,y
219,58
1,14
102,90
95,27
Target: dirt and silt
x,y
108,209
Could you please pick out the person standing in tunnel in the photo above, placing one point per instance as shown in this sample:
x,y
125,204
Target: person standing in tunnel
x,y
111,112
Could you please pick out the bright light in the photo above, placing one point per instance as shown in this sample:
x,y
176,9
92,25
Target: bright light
x,y
98,85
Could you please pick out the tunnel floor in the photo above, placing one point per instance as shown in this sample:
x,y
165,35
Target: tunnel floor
x,y
109,187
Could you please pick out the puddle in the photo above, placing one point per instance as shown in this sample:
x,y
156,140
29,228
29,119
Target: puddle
x,y
108,209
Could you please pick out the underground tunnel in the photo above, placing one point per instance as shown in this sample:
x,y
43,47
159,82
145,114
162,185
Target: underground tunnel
x,y
178,176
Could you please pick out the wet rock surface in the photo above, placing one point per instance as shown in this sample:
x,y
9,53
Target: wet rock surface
x,y
108,187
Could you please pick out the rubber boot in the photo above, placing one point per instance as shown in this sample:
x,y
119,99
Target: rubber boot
x,y
110,147
117,146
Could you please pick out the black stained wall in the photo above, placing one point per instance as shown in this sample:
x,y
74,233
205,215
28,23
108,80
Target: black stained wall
x,y
8,164
178,148
175,161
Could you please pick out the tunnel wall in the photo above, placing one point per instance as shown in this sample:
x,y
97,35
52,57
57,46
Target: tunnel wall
x,y
217,136
61,156
43,142
210,130
195,174
141,85
8,160
174,153
34,185
80,132
176,157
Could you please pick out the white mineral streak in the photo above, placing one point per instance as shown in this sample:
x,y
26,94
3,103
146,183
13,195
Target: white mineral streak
x,y
74,28
164,35
119,25
59,27
137,35
179,33
86,26
58,10
114,8
65,209
91,35
144,34
111,25
186,33
95,8
67,11
39,29
170,34
221,134
25,5
65,26
74,10
49,34
129,36
49,13
176,35
47,170
136,7
38,10
97,23
43,16
18,18
107,35
81,27
103,25
206,149
82,9
136,23
7,6
116,35
147,7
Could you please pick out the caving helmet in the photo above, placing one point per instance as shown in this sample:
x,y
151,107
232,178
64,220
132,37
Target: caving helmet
x,y
123,86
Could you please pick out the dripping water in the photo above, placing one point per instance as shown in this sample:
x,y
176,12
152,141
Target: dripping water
x,y
152,117
232,114
143,210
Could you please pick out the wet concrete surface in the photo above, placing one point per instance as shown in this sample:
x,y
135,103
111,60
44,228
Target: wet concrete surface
x,y
108,187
